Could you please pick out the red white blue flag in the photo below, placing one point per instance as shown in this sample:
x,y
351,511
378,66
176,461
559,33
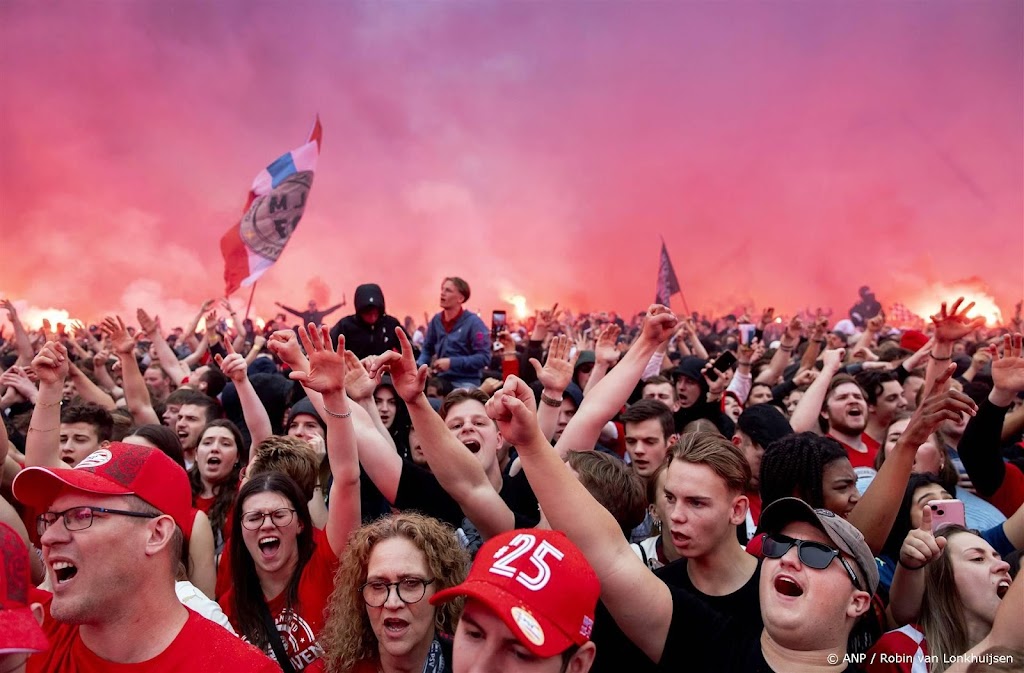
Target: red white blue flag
x,y
275,205
668,284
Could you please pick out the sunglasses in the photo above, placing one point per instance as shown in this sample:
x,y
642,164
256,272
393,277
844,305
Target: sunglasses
x,y
812,554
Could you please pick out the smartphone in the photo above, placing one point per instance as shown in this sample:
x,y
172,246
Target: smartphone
x,y
499,322
947,512
723,363
747,332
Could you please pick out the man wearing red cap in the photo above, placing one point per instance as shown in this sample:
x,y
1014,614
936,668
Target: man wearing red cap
x,y
20,634
111,538
530,601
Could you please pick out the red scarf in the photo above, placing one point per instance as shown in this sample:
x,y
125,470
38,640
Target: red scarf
x,y
448,325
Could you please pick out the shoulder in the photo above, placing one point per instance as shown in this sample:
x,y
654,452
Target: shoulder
x,y
907,639
221,650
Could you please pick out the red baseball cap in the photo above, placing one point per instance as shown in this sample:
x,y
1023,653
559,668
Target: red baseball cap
x,y
539,584
19,630
118,469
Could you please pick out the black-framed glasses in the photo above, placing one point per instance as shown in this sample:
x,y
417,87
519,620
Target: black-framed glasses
x,y
812,554
410,590
279,517
80,518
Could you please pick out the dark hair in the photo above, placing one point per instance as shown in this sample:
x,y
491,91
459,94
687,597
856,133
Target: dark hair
x,y
902,525
657,380
246,584
215,381
459,396
162,438
872,381
92,414
286,455
645,410
460,285
794,465
211,406
179,396
225,492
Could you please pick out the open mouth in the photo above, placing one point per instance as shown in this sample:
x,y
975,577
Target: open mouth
x,y
64,571
269,545
855,411
1002,588
472,445
395,626
213,461
788,587
68,460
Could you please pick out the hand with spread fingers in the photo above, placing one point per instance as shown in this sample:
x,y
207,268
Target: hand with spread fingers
x,y
121,342
954,324
556,374
1008,367
326,372
408,380
358,383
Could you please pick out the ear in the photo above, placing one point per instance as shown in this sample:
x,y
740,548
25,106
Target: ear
x,y
738,513
673,439
38,612
583,659
105,444
860,602
161,530
736,441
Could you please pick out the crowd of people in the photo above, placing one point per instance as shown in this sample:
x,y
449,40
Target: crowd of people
x,y
574,493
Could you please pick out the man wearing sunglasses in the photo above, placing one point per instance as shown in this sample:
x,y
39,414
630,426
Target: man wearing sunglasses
x,y
112,544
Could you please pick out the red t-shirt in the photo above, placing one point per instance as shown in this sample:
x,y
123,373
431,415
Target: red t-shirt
x,y
863,462
200,647
300,625
907,650
204,505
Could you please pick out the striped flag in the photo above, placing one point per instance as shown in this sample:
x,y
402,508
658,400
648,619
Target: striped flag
x,y
668,284
275,205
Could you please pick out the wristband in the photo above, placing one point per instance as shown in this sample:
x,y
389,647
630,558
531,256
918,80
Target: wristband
x,y
787,349
911,568
932,356
331,413
550,401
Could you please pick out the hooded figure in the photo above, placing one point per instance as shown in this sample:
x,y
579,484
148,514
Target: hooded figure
x,y
370,330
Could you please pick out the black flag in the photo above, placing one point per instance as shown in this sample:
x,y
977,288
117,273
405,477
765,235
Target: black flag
x,y
668,284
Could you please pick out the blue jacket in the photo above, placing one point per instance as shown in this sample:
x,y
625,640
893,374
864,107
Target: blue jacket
x,y
468,346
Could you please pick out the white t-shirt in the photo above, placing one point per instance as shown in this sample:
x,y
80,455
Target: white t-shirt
x,y
191,597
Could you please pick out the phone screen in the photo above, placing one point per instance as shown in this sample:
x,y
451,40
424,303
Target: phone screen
x,y
498,323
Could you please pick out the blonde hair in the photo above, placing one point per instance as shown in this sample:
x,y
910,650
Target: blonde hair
x,y
723,457
942,608
347,637
288,455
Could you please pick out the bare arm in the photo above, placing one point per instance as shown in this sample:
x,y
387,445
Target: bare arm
x,y
255,414
360,387
569,507
257,346
167,360
808,409
42,446
190,332
203,572
555,376
21,340
949,327
103,377
919,549
89,391
611,393
783,354
136,394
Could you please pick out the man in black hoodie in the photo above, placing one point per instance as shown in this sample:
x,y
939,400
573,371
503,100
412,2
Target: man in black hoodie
x,y
370,331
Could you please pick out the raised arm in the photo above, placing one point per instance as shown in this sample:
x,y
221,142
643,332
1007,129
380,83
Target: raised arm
x,y
783,354
21,340
298,314
607,398
256,418
875,512
42,446
950,326
808,409
136,394
360,388
919,549
102,374
166,357
453,464
190,332
326,376
569,507
555,376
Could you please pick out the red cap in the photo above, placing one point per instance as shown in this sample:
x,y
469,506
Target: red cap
x,y
19,630
118,469
913,340
539,584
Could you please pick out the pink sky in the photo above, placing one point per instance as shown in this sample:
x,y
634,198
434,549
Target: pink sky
x,y
787,152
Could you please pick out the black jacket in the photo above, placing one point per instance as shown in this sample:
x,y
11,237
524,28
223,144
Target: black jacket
x,y
362,338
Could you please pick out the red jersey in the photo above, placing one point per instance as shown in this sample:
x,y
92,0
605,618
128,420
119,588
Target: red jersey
x,y
300,624
906,651
200,647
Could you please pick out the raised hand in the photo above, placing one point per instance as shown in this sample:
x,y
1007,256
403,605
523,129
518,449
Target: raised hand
x,y
606,349
285,346
876,324
8,305
16,378
514,409
234,365
121,342
954,324
51,364
358,383
556,374
820,328
937,407
767,316
326,366
408,380
795,328
717,386
833,359
921,547
508,344
211,323
150,326
659,323
805,377
1008,369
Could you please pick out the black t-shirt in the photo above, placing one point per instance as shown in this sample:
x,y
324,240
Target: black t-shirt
x,y
419,490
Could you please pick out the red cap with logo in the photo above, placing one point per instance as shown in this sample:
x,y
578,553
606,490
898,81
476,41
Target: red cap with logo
x,y
539,584
19,630
118,469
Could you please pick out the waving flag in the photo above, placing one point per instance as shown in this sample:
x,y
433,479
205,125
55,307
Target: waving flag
x,y
276,202
668,284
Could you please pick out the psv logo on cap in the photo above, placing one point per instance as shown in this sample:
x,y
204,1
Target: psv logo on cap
x,y
528,626
95,459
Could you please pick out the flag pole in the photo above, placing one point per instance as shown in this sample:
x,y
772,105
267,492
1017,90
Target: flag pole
x,y
249,305
681,295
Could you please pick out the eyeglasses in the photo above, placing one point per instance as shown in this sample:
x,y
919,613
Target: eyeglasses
x,y
812,554
410,590
80,518
279,517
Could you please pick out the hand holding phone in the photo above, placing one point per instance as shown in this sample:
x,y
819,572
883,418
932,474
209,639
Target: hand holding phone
x,y
947,512
722,364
